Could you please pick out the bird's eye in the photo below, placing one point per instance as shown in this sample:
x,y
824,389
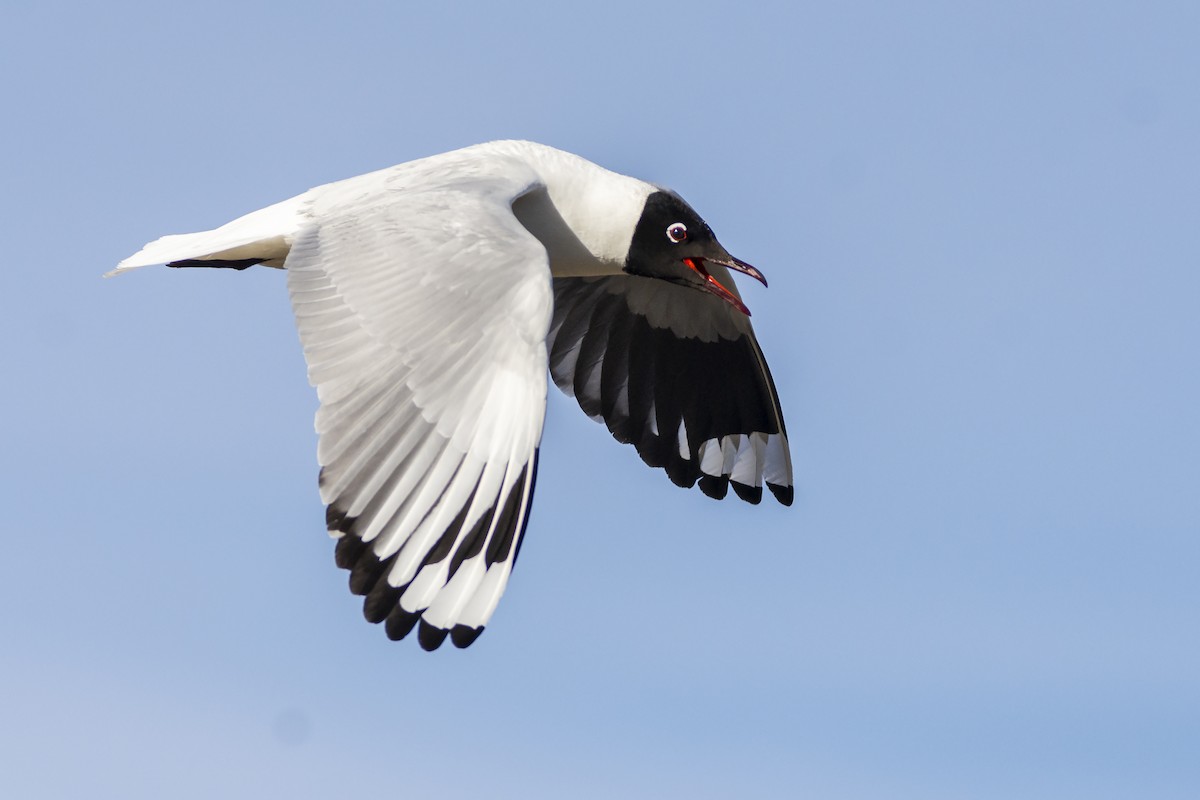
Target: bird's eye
x,y
677,232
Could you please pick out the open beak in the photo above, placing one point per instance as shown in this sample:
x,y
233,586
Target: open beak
x,y
714,286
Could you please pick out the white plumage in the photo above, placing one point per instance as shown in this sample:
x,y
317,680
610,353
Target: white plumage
x,y
432,300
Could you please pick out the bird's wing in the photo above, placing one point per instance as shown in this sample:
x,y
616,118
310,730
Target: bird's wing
x,y
423,313
677,373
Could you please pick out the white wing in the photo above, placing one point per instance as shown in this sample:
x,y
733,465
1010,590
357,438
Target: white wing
x,y
423,313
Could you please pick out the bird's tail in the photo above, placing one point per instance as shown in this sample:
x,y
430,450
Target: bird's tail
x,y
262,237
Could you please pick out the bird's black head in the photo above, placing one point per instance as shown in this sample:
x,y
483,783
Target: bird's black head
x,y
672,243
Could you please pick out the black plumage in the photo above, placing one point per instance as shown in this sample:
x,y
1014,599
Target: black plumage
x,y
646,382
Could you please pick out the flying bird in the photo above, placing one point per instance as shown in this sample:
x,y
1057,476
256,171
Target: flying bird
x,y
434,297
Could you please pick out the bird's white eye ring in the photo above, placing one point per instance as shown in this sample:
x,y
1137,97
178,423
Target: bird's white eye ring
x,y
677,232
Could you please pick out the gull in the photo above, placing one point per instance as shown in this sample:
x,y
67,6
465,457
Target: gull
x,y
434,298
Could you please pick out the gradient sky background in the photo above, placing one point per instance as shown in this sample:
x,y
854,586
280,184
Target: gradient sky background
x,y
981,223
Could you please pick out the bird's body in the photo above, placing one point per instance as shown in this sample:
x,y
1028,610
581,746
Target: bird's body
x,y
433,298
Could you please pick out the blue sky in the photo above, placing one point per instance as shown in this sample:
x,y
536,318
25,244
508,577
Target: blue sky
x,y
980,226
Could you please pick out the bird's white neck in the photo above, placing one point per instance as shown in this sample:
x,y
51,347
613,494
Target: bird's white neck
x,y
585,215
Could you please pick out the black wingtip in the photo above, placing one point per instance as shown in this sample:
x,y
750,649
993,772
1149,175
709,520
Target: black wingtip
x,y
400,623
430,637
751,494
681,473
784,494
339,523
464,636
714,486
380,601
366,572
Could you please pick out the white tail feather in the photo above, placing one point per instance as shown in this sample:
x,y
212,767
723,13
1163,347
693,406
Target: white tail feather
x,y
265,234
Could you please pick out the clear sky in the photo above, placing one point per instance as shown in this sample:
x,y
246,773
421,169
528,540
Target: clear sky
x,y
980,223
